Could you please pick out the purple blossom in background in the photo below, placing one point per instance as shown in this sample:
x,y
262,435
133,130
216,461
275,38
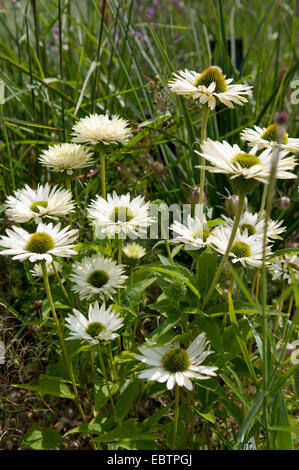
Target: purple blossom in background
x,y
55,31
150,11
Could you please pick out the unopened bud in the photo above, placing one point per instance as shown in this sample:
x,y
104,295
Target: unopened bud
x,y
175,291
158,168
283,203
281,118
194,196
231,204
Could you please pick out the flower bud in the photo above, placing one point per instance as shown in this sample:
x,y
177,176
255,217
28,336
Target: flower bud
x,y
194,196
175,291
283,203
231,204
158,168
281,118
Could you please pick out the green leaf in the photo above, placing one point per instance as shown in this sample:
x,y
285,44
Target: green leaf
x,y
240,339
206,268
49,386
177,272
127,397
41,439
283,439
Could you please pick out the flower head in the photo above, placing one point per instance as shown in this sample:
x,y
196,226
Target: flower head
x,y
38,272
175,365
262,137
35,204
100,325
120,215
209,87
66,157
279,268
97,275
246,249
47,241
100,128
245,169
255,227
134,251
195,234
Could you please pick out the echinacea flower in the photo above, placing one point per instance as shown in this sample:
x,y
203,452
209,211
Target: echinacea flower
x,y
255,226
100,326
47,241
38,272
244,170
279,268
35,204
245,249
134,251
66,157
264,137
120,215
100,128
209,87
175,365
97,275
195,234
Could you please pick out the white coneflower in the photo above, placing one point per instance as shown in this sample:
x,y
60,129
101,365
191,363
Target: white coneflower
x,y
279,268
264,137
175,365
255,226
209,87
134,251
245,249
97,275
35,204
100,128
245,169
47,241
195,234
100,325
66,157
38,272
120,215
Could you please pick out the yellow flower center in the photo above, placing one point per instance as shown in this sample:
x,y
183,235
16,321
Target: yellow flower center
x,y
35,206
240,249
271,134
94,329
176,360
122,214
246,160
210,75
203,234
40,242
98,279
250,228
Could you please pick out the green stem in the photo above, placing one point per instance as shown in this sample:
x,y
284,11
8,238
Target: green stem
x,y
106,378
103,173
68,185
187,421
62,343
279,309
287,319
176,415
119,260
228,249
112,362
267,362
263,201
61,284
203,161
